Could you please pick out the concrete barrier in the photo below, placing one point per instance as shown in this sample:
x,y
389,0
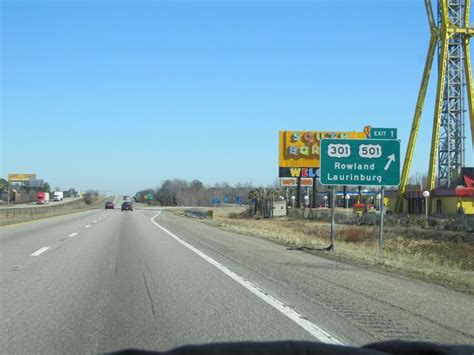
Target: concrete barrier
x,y
17,215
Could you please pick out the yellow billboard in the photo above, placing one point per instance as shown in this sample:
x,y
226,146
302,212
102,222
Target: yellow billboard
x,y
21,177
300,149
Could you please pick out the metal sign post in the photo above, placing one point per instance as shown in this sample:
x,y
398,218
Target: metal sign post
x,y
315,187
298,194
426,195
361,162
382,216
333,221
293,205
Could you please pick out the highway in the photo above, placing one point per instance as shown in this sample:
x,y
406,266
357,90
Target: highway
x,y
35,204
105,280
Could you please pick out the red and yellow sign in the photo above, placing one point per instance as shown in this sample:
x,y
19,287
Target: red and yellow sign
x,y
289,182
300,149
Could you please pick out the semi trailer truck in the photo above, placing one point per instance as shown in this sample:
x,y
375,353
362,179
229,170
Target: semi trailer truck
x,y
42,197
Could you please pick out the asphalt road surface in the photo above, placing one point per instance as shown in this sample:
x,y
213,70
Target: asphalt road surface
x,y
105,280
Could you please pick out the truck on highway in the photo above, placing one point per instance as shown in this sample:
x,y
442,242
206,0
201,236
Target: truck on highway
x,y
58,196
42,197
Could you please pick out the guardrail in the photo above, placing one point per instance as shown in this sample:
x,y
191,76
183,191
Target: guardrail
x,y
196,213
17,215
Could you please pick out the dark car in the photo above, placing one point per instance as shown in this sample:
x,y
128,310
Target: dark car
x,y
109,205
127,206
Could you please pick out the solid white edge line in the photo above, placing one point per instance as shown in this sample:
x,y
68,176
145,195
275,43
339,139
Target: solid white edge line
x,y
87,226
290,313
73,234
40,251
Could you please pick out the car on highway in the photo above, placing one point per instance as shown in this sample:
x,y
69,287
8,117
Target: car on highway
x,y
109,205
127,206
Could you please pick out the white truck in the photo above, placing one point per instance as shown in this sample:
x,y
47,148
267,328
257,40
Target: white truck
x,y
58,196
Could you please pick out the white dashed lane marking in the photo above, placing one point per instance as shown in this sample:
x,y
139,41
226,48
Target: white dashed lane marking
x,y
73,234
40,251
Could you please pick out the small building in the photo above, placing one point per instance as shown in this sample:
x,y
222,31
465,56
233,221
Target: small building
x,y
457,200
413,202
443,200
452,201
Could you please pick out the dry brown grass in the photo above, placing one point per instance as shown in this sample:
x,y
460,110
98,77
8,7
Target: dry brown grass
x,y
436,256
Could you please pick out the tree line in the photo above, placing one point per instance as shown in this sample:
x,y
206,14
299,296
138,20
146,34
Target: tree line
x,y
177,192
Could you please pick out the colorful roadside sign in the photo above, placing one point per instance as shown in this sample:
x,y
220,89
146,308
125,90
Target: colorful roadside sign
x,y
21,177
300,149
356,162
288,182
381,133
299,172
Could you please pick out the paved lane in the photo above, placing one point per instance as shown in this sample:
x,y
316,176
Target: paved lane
x,y
20,240
125,282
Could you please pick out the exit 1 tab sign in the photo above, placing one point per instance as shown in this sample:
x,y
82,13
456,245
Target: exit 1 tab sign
x,y
382,133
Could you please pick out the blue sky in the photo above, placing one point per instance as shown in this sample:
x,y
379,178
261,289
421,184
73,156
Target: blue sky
x,y
119,95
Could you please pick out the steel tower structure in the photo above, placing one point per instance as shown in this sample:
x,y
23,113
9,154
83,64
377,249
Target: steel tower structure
x,y
451,136
451,34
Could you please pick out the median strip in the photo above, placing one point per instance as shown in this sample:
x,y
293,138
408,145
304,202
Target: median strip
x,y
14,215
40,251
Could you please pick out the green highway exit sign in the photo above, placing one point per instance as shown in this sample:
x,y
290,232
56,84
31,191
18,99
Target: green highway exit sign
x,y
367,162
383,133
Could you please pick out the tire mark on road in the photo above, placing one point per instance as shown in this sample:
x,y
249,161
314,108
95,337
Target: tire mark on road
x,y
149,296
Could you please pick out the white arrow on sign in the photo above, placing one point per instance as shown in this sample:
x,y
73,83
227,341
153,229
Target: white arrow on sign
x,y
391,159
